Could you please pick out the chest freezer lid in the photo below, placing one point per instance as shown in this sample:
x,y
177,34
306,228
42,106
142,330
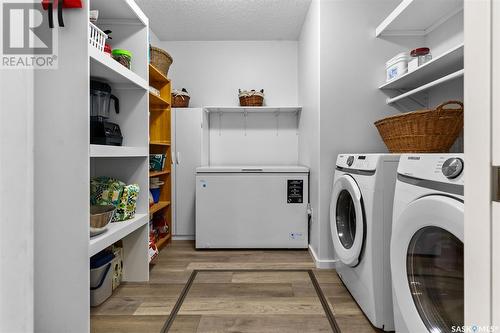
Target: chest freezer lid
x,y
253,169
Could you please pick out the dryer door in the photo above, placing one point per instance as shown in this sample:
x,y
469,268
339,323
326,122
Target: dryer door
x,y
427,264
347,220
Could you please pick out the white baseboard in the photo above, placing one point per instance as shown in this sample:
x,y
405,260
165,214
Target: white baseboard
x,y
322,263
179,237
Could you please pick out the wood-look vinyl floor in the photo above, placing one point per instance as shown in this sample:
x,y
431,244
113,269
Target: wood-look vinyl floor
x,y
230,301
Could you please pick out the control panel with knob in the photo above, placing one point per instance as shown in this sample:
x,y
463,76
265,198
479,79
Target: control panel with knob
x,y
452,167
350,160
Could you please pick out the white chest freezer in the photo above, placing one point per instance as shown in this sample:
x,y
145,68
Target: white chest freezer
x,y
252,207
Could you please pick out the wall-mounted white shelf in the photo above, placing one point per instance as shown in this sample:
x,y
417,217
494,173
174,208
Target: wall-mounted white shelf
x,y
254,109
448,62
125,11
427,86
418,17
117,151
115,232
104,67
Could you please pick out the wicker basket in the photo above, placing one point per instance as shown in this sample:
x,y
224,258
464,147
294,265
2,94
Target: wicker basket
x,y
424,131
180,98
160,59
251,98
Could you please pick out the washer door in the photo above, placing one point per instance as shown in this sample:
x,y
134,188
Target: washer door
x,y
427,264
347,220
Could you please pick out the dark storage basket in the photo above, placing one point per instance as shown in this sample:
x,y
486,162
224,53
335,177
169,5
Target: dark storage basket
x,y
160,59
251,98
424,131
180,101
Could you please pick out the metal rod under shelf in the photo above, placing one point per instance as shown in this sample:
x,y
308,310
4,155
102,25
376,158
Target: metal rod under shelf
x,y
429,85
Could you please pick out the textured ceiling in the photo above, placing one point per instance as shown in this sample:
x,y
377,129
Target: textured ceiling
x,y
200,20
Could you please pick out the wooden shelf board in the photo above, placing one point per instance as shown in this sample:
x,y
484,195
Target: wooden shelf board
x,y
158,173
157,103
160,143
106,68
117,151
158,206
156,77
448,62
418,17
162,242
115,232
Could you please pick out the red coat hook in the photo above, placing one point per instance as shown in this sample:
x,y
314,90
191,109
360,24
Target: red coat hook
x,y
49,6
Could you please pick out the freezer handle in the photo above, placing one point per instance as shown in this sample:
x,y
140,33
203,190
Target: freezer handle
x,y
178,157
252,170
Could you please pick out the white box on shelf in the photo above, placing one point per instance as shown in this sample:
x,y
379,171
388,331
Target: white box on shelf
x,y
412,65
397,66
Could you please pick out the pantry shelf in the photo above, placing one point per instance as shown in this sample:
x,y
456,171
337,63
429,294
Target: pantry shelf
x,y
418,17
254,109
115,232
118,151
449,62
119,11
106,68
158,206
157,78
427,86
162,242
156,102
158,173
159,143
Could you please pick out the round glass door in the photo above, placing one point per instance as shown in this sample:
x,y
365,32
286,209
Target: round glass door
x,y
345,217
347,220
435,268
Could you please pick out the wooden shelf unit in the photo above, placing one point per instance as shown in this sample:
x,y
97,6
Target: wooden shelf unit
x,y
159,143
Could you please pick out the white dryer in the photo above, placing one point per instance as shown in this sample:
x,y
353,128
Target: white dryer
x,y
360,220
427,244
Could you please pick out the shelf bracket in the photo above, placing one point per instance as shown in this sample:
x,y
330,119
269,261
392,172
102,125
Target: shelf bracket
x,y
277,115
220,123
245,115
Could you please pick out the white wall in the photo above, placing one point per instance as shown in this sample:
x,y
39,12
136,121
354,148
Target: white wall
x,y
352,64
214,71
309,98
16,201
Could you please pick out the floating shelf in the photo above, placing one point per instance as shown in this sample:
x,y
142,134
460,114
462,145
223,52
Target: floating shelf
x,y
158,206
254,109
118,151
158,173
123,11
104,67
157,78
418,17
159,143
449,62
427,86
115,232
156,102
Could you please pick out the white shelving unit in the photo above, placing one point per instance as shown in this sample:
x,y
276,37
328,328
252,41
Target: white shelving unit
x,y
418,17
253,109
128,163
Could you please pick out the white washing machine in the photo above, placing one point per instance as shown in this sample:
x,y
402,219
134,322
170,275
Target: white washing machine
x,y
360,219
427,244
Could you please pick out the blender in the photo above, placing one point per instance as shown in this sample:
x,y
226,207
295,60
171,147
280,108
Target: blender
x,y
102,131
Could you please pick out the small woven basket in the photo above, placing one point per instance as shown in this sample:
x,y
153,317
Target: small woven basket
x,y
160,59
251,98
424,131
180,101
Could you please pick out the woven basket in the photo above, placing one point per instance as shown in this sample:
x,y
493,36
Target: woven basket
x,y
424,131
180,101
160,59
254,100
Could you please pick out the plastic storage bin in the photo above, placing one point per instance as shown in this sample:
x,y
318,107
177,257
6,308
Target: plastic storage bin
x,y
397,66
101,277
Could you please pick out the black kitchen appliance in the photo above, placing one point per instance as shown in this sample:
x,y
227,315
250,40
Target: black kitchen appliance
x,y
102,131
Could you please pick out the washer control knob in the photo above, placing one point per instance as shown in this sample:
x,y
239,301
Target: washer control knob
x,y
350,160
452,167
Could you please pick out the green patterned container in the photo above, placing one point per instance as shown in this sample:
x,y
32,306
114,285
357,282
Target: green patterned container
x,y
111,191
